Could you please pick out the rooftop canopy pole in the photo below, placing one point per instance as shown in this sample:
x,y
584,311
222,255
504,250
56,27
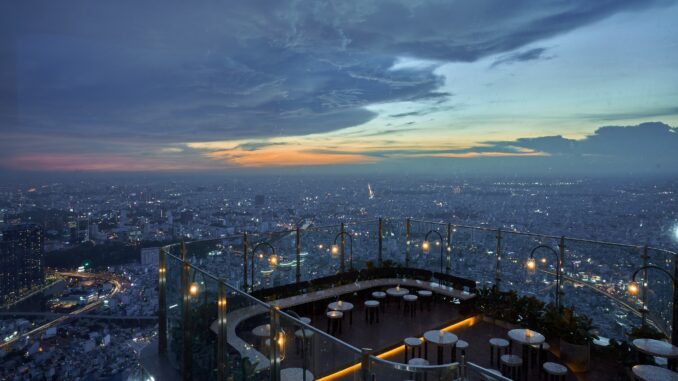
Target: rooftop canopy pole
x,y
350,246
407,242
298,250
273,260
381,241
497,270
343,248
634,288
449,249
425,245
244,258
221,331
186,350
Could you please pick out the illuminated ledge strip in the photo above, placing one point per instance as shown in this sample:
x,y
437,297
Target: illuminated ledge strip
x,y
399,349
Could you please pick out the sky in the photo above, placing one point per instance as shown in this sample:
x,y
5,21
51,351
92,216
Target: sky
x,y
358,86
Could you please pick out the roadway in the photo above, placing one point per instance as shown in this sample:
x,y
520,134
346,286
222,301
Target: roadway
x,y
117,287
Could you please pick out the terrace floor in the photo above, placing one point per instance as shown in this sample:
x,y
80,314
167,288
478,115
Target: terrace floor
x,y
385,338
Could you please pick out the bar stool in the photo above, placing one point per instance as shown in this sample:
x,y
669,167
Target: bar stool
x,y
305,337
371,311
462,346
500,344
380,296
426,297
412,343
334,319
554,371
511,365
410,304
418,362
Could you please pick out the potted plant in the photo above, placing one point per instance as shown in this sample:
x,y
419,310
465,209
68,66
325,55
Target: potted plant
x,y
575,334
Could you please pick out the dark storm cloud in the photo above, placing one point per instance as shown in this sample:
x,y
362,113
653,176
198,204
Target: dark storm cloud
x,y
189,71
528,55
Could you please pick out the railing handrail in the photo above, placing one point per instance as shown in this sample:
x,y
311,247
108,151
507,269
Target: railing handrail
x,y
415,368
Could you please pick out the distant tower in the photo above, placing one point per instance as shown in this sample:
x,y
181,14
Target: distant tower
x,y
21,260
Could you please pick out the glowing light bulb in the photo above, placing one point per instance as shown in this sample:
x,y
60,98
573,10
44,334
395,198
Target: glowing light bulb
x,y
531,264
273,260
193,289
633,288
334,250
425,246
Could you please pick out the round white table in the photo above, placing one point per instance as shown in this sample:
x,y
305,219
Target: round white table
x,y
305,320
397,292
441,340
295,374
658,348
654,373
527,338
344,307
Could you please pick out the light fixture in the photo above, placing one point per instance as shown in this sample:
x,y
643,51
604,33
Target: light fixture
x,y
334,251
193,289
425,246
633,288
531,264
273,260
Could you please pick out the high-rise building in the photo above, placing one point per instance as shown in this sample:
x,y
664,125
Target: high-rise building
x,y
21,260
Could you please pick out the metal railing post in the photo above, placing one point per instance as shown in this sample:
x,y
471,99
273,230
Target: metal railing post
x,y
381,239
343,248
407,243
497,271
162,302
244,255
221,331
298,251
273,336
674,324
365,363
643,311
449,249
561,269
186,371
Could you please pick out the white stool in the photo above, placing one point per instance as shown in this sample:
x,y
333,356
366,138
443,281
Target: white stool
x,y
512,365
334,319
410,304
418,362
305,337
380,296
371,310
413,343
499,344
426,297
555,371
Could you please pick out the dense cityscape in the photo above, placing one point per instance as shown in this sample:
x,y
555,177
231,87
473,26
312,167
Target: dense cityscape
x,y
88,304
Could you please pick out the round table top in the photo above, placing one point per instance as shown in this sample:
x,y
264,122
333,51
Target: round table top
x,y
554,368
461,344
520,335
497,342
335,314
654,373
410,298
425,293
263,330
656,347
344,306
305,320
434,336
397,291
378,294
372,303
295,374
412,341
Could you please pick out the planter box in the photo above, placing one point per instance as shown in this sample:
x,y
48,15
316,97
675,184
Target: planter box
x,y
577,357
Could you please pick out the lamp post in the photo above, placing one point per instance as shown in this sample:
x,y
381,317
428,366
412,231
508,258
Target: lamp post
x,y
335,247
532,265
272,260
426,245
634,288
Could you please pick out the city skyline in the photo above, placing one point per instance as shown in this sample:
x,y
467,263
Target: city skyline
x,y
397,87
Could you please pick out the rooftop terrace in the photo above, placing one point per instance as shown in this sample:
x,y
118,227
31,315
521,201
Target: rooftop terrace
x,y
239,307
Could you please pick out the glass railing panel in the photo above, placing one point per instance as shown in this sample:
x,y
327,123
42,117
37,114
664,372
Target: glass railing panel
x,y
595,283
387,370
247,319
318,259
272,259
394,244
303,347
222,257
428,246
174,295
659,291
201,324
365,235
473,254
538,281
